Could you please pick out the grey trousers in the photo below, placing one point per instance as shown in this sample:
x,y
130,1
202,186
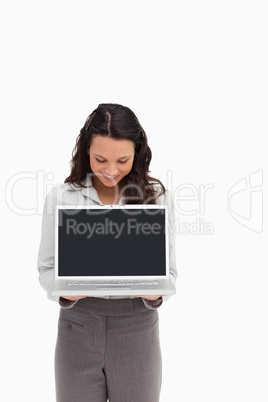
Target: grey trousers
x,y
108,349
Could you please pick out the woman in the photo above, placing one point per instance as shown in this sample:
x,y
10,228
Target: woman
x,y
107,347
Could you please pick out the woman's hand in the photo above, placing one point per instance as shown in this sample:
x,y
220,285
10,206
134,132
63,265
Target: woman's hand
x,y
152,297
73,298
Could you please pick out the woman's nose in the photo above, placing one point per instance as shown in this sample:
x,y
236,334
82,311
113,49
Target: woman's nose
x,y
111,171
111,168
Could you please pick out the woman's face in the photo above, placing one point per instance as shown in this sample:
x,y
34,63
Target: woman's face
x,y
110,159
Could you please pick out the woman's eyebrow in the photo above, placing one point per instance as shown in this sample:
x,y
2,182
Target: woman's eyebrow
x,y
123,157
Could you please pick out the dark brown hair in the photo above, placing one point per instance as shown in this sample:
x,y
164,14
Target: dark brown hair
x,y
118,122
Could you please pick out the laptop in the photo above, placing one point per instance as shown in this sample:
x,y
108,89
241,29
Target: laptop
x,y
114,250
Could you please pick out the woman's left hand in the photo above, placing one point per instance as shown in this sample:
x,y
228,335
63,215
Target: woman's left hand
x,y
152,297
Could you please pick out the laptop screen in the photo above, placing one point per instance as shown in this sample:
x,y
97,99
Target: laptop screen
x,y
114,243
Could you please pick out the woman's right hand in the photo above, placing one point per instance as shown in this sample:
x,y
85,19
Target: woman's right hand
x,y
73,298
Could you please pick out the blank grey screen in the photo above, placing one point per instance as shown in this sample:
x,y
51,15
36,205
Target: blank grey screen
x,y
112,243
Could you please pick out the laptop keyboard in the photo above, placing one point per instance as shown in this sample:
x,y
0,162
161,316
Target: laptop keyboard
x,y
113,283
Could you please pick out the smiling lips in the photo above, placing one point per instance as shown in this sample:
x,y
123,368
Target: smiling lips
x,y
111,178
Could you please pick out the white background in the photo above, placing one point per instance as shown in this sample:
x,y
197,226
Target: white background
x,y
195,74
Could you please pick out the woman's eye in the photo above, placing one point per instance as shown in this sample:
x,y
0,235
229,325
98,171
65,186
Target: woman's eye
x,y
104,161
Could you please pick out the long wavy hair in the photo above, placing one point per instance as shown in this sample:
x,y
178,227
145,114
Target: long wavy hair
x,y
118,122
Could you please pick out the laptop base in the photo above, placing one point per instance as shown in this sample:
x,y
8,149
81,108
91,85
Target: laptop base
x,y
60,288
